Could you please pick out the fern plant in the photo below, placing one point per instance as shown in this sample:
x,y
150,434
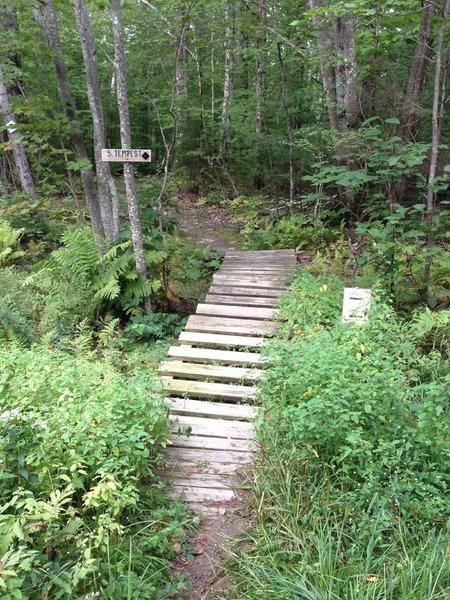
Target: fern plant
x,y
9,243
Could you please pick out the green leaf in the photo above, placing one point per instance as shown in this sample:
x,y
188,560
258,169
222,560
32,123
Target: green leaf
x,y
392,121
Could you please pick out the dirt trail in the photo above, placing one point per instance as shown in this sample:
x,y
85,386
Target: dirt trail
x,y
206,224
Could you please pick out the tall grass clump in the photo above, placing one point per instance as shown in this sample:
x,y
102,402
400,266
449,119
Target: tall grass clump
x,y
351,484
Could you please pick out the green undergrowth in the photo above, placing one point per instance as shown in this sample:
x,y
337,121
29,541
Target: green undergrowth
x,y
82,514
351,496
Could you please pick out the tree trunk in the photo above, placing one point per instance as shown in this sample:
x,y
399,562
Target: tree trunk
x,y
227,83
436,120
288,130
51,28
346,73
181,76
20,156
125,136
259,81
109,213
417,76
326,52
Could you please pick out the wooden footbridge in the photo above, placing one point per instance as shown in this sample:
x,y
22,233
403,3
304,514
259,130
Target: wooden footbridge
x,y
212,375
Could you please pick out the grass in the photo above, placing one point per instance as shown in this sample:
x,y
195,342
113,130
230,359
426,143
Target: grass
x,y
303,547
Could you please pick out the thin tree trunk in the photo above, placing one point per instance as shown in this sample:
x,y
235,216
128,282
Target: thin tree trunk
x,y
105,182
227,83
213,83
125,136
181,76
20,156
259,81
288,130
436,120
50,24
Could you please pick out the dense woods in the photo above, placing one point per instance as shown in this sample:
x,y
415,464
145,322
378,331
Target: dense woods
x,y
318,125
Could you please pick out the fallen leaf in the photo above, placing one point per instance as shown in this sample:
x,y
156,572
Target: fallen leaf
x,y
177,548
222,511
373,578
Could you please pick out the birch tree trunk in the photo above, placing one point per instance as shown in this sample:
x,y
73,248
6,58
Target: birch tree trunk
x,y
109,210
20,156
125,136
227,82
181,76
346,72
51,28
436,120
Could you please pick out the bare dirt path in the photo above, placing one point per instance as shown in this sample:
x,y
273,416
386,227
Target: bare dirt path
x,y
206,224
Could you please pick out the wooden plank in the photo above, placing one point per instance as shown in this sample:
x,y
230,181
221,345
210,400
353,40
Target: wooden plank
x,y
227,341
284,252
207,355
202,494
207,481
238,430
200,389
242,312
237,290
197,456
229,326
272,283
211,443
188,370
200,408
188,469
241,300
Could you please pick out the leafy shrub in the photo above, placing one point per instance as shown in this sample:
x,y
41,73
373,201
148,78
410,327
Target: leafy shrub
x,y
76,440
156,326
353,480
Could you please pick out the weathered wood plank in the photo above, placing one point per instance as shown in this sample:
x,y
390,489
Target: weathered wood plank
x,y
241,312
207,481
208,355
199,456
251,282
210,372
241,300
227,341
202,495
229,326
229,290
200,389
239,430
211,443
285,252
188,469
202,408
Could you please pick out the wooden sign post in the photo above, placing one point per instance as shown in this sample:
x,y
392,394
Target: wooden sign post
x,y
123,155
356,305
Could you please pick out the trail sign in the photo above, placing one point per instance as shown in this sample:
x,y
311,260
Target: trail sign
x,y
356,305
123,155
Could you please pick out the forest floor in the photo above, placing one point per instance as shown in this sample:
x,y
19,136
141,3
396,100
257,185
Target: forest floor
x,y
206,224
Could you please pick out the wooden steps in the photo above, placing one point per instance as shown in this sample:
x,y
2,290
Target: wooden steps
x,y
187,370
195,338
211,376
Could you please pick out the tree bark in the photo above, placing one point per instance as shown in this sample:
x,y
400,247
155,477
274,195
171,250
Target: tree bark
x,y
20,155
326,52
125,136
412,104
181,76
259,81
109,213
227,82
288,130
436,120
51,28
